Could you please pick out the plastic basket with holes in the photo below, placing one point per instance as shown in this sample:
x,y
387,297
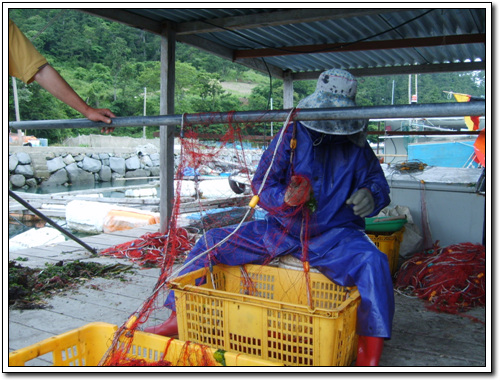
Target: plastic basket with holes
x,y
389,244
272,313
87,345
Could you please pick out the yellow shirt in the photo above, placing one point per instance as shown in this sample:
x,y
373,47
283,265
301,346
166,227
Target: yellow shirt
x,y
24,59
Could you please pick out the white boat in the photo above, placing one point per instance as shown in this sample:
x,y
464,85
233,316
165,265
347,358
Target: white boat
x,y
36,237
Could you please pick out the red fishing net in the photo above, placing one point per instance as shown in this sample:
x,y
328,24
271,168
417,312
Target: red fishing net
x,y
167,251
149,250
452,279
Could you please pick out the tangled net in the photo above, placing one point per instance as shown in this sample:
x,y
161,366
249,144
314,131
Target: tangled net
x,y
150,249
163,250
190,355
451,279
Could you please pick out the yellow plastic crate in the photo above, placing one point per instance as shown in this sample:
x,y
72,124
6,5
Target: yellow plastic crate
x,y
86,346
389,244
269,317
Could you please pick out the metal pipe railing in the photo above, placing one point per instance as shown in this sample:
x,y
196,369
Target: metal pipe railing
x,y
430,110
167,121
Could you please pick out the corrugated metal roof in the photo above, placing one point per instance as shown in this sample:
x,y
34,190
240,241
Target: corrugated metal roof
x,y
180,15
246,35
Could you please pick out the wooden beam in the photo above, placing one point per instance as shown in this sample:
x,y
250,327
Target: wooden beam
x,y
127,18
362,46
275,18
258,20
187,30
400,70
419,69
207,46
226,53
260,65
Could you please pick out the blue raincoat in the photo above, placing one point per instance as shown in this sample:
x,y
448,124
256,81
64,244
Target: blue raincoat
x,y
337,244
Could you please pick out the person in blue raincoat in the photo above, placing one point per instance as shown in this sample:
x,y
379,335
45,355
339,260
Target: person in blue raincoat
x,y
326,169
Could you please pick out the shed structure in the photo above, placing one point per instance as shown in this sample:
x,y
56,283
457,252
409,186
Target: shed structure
x,y
299,43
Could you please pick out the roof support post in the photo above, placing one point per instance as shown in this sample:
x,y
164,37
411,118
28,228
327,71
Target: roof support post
x,y
287,89
167,104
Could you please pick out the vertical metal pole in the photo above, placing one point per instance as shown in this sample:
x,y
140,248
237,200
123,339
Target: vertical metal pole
x,y
416,87
287,91
392,99
16,99
16,108
144,112
272,132
378,137
409,89
167,103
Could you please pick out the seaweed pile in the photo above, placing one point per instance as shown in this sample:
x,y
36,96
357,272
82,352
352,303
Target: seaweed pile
x,y
29,287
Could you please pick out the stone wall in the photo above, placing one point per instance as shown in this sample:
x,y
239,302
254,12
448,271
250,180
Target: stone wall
x,y
100,141
21,174
52,166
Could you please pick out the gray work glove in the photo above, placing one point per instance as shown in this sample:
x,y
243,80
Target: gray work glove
x,y
362,201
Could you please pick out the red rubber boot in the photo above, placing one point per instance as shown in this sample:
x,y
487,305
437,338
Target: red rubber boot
x,y
167,328
369,350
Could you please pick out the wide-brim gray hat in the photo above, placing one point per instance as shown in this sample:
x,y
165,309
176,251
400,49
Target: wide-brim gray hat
x,y
335,88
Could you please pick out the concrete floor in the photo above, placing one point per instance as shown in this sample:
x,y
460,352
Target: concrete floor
x,y
422,340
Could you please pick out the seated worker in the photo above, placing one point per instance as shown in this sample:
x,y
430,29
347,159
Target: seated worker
x,y
333,176
28,65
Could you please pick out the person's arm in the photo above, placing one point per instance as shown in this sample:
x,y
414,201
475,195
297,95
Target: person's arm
x,y
372,191
52,81
27,64
273,192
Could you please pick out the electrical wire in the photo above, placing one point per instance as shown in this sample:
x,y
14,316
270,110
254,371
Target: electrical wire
x,y
319,50
270,84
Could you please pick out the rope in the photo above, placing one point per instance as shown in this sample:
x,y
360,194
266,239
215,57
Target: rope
x,y
278,143
305,262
